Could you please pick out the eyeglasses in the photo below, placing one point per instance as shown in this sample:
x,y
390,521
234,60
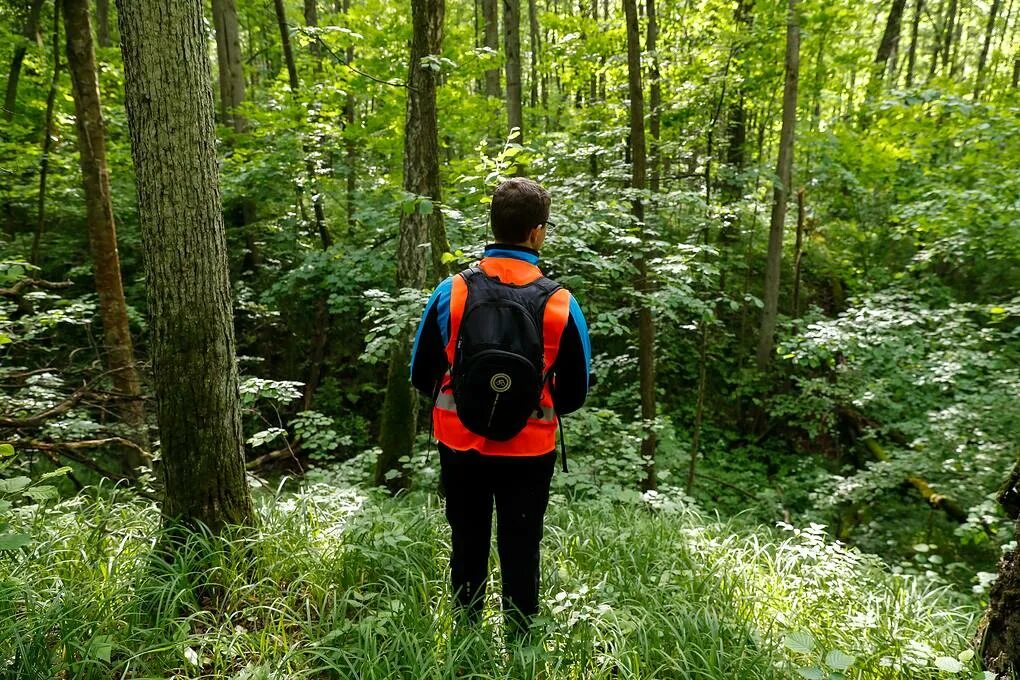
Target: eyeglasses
x,y
549,224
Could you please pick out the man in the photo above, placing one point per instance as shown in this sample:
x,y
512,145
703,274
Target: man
x,y
504,352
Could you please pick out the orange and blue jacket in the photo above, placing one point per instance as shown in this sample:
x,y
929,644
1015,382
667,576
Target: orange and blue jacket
x,y
567,357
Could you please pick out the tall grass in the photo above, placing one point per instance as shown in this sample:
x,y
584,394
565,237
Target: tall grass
x,y
337,583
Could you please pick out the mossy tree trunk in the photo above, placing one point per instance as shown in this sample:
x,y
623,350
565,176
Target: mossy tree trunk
x,y
185,253
421,178
119,357
512,49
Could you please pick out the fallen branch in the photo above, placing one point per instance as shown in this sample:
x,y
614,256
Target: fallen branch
x,y
286,452
15,290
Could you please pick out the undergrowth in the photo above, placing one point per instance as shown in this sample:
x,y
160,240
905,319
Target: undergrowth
x,y
342,583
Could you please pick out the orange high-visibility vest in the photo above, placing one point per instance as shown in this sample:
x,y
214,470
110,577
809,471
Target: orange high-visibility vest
x,y
539,435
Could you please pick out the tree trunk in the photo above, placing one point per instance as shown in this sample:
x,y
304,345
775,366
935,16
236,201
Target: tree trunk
x,y
421,178
44,160
797,254
983,57
654,93
31,32
646,328
173,144
887,48
120,356
312,21
915,25
784,166
533,37
736,117
288,53
1016,71
490,12
512,47
103,22
229,58
947,37
998,634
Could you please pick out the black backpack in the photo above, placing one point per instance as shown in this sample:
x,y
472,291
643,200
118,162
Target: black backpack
x,y
498,367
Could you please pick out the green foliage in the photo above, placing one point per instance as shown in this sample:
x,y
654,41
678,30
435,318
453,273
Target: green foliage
x,y
331,573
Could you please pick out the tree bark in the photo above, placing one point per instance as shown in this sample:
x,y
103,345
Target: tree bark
x,y
533,63
288,53
784,166
512,47
998,634
887,47
490,12
947,36
654,93
173,144
120,357
646,327
312,21
229,58
915,25
983,57
44,160
31,32
103,22
798,251
421,178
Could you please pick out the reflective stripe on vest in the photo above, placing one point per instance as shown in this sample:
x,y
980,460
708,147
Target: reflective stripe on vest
x,y
539,435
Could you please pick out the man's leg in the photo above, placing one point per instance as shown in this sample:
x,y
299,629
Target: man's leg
x,y
522,495
469,512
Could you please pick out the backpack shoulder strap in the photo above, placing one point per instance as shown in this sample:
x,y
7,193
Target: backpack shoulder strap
x,y
546,285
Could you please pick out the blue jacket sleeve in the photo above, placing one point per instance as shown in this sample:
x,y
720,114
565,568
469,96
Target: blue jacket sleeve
x,y
428,355
572,370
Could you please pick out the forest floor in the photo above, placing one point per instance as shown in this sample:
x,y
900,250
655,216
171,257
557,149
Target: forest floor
x,y
346,583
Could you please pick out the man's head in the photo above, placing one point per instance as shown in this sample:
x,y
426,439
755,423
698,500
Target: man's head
x,y
519,212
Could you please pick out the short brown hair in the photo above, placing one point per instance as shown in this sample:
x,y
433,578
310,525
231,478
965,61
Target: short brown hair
x,y
518,206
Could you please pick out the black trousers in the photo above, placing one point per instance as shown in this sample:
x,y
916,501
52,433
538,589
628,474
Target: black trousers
x,y
520,488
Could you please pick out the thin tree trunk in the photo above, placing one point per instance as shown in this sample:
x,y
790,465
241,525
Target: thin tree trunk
x,y
887,48
784,166
947,37
736,117
288,53
912,53
312,21
44,160
646,328
103,22
512,47
983,58
350,118
490,12
120,357
1016,71
654,93
31,32
533,36
173,144
797,254
421,178
228,52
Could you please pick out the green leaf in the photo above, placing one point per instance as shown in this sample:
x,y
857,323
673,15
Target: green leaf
x,y
14,541
59,472
838,661
14,484
41,493
966,655
101,648
801,641
811,673
425,206
948,664
6,450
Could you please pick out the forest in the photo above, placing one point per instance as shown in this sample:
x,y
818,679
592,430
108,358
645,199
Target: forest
x,y
793,227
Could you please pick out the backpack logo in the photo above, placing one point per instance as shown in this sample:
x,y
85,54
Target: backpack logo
x,y
500,383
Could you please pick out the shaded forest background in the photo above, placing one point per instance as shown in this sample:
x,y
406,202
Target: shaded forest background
x,y
794,229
